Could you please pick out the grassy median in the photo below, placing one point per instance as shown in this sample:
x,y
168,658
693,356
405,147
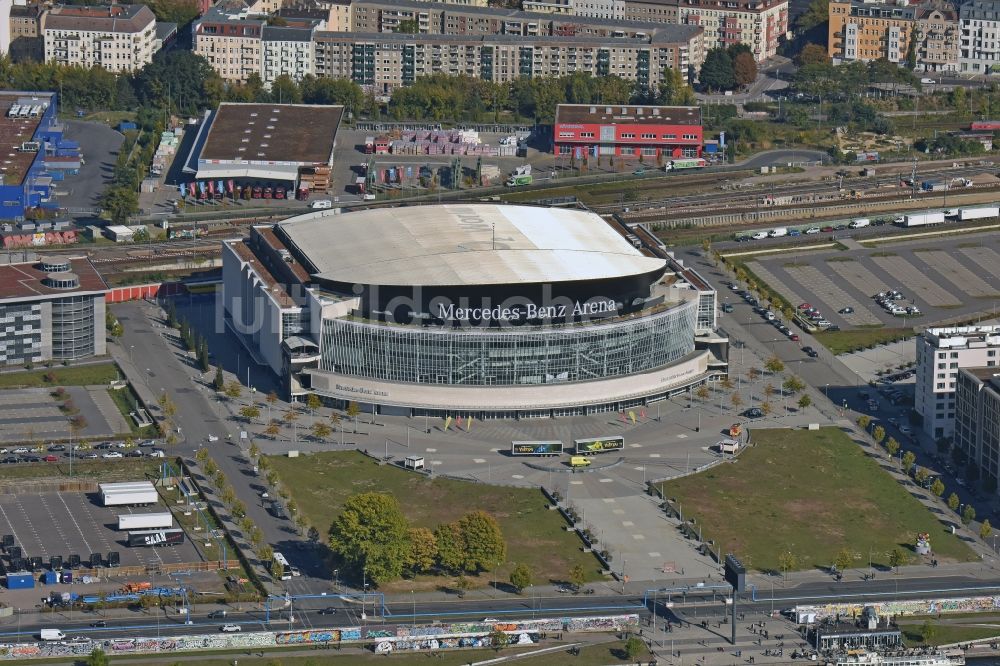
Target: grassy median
x,y
73,375
536,536
810,493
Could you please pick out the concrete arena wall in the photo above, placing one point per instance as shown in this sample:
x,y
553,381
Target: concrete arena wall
x,y
400,637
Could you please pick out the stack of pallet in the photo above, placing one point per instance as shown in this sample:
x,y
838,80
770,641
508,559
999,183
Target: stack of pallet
x,y
315,178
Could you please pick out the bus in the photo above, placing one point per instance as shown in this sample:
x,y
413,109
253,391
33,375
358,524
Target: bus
x,y
685,163
536,448
286,568
594,445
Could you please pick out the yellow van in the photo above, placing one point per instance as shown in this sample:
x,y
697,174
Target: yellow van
x,y
579,461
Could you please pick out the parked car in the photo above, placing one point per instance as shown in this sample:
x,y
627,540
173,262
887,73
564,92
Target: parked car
x,y
753,413
794,337
231,628
810,352
321,203
113,454
330,610
847,310
812,230
57,447
727,308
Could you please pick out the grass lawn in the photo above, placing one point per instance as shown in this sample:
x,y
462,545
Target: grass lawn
x,y
535,536
945,634
103,470
844,342
811,493
79,375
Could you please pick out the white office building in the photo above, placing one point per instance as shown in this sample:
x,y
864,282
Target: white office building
x,y
941,353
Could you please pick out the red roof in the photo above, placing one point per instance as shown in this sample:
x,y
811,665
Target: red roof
x,y
25,280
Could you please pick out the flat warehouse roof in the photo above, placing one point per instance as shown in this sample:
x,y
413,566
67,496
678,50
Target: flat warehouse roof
x,y
298,133
471,244
628,114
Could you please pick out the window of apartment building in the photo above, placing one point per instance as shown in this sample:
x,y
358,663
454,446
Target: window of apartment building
x,y
954,354
940,385
628,135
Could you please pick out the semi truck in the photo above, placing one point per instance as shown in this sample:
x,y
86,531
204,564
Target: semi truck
x,y
171,537
922,219
978,213
128,494
145,521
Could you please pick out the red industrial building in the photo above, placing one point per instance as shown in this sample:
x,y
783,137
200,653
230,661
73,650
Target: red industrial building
x,y
654,132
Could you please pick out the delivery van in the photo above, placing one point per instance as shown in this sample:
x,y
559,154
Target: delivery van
x,y
778,233
860,223
51,635
579,461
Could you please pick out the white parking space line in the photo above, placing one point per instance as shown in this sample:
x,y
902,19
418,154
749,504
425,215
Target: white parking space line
x,y
31,528
654,554
832,294
635,446
437,462
517,476
431,450
79,529
56,522
654,455
639,537
576,483
771,279
922,286
608,500
952,270
682,436
479,461
628,523
606,480
618,512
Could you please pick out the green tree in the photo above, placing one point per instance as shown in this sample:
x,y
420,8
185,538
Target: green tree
x,y
499,639
254,450
277,569
843,560
520,577
483,542
815,15
272,429
811,54
313,535
898,558
787,560
97,658
968,514
233,390
892,446
953,501
371,533
577,576
744,70
717,71
737,400
219,383
201,455
864,421
793,385
985,530
179,81
927,630
909,458
313,402
120,203
921,475
423,551
250,412
774,365
320,430
804,401
284,90
203,361
937,487
634,645
702,393
353,409
878,434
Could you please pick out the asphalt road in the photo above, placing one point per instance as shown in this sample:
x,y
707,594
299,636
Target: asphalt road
x,y
347,612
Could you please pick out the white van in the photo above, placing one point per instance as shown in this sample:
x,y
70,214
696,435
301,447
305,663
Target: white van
x,y
777,233
860,223
759,235
51,635
321,203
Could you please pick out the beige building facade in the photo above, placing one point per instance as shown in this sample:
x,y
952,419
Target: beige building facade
x,y
119,38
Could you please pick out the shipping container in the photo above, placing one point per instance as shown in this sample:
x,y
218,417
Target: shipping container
x,y
22,580
145,521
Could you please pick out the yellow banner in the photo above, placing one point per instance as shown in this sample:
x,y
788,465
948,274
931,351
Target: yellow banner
x,y
447,423
631,415
468,426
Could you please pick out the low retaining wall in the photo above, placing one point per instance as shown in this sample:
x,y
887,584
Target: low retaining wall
x,y
384,638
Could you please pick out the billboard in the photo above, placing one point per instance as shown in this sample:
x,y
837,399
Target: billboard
x,y
536,448
599,444
155,538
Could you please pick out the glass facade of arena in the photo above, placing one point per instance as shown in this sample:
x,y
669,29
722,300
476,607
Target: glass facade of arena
x,y
508,356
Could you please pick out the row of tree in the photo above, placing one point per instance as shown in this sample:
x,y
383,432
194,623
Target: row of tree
x,y
728,68
372,536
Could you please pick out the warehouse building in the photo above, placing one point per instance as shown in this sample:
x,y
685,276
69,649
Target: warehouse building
x,y
491,311
661,133
52,310
266,145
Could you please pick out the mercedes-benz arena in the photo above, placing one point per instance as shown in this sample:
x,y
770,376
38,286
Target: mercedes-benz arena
x,y
494,311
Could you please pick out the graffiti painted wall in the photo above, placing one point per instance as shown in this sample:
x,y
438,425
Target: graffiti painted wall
x,y
907,607
386,638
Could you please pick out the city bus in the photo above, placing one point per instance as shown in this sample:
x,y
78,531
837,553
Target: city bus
x,y
594,445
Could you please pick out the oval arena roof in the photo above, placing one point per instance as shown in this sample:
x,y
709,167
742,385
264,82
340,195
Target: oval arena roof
x,y
464,244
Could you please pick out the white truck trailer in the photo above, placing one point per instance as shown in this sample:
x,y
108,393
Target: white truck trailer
x,y
978,213
923,219
128,494
144,521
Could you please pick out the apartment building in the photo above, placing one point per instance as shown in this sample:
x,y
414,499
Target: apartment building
x,y
941,353
937,35
652,11
979,46
611,10
230,42
387,61
549,6
25,35
760,24
977,421
286,50
119,38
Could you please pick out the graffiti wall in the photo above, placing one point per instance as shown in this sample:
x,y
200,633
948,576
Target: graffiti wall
x,y
40,238
906,607
385,638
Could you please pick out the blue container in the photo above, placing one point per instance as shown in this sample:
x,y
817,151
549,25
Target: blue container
x,y
20,581
50,578
123,126
68,144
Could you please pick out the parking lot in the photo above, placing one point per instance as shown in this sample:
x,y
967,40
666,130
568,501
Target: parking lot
x,y
74,523
31,415
942,278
